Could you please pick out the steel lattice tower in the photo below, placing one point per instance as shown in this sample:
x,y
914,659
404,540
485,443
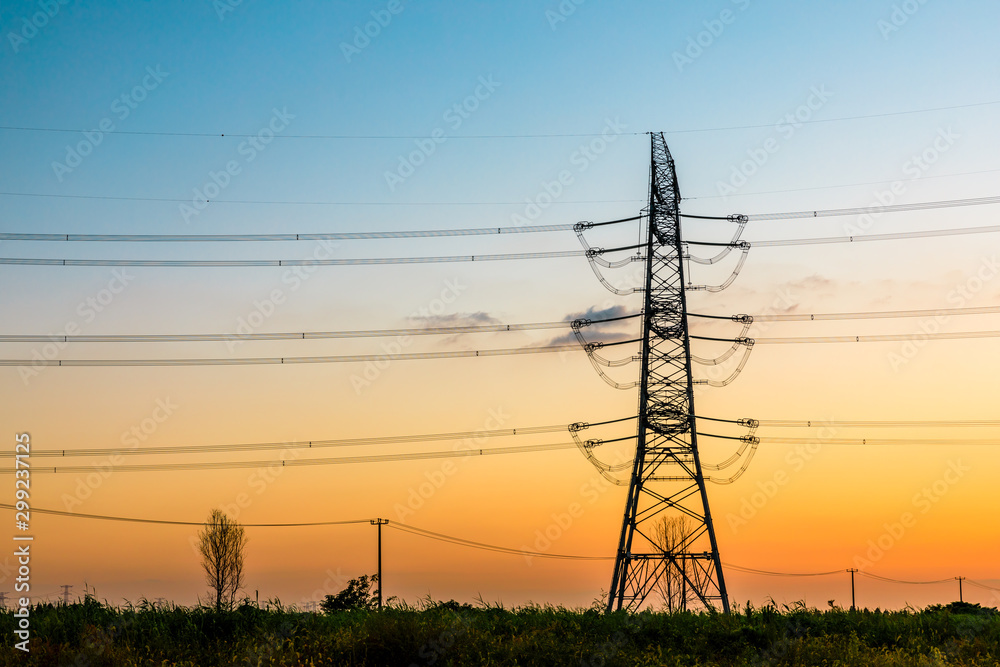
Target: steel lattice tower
x,y
667,479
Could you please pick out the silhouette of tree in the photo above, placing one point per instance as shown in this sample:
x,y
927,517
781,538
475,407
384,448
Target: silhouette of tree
x,y
222,543
673,535
357,595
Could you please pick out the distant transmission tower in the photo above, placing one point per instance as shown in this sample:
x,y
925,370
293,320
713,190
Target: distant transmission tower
x,y
667,479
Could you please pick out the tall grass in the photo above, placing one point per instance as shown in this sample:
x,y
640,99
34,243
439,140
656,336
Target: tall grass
x,y
90,633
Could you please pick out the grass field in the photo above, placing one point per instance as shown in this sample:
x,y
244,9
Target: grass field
x,y
93,634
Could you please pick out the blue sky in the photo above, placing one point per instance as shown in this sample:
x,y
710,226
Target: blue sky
x,y
727,81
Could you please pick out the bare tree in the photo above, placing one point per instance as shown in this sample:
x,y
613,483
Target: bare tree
x,y
222,542
672,535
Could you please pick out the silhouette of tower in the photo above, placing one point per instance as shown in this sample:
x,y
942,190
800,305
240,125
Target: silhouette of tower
x,y
667,478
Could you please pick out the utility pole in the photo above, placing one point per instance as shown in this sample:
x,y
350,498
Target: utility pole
x,y
667,473
960,588
379,523
66,588
3,599
852,570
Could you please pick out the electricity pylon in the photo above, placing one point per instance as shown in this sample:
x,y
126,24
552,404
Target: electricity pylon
x,y
667,479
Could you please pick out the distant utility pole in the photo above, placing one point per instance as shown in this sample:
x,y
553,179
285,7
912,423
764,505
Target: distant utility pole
x,y
960,588
3,599
852,570
379,523
66,588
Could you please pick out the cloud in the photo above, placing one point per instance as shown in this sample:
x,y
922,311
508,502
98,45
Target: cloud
x,y
608,333
599,313
454,320
478,318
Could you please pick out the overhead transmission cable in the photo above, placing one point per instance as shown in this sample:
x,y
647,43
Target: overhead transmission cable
x,y
148,450
337,261
879,314
257,361
303,335
188,200
296,462
891,208
897,423
539,135
423,532
321,236
591,253
879,338
486,328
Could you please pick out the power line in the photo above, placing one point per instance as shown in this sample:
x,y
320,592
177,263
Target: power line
x,y
750,570
303,335
295,463
441,537
879,338
875,442
541,135
324,236
361,137
522,431
917,206
816,423
258,361
300,444
843,185
218,263
476,258
476,328
103,517
896,236
940,312
189,200
834,120
900,581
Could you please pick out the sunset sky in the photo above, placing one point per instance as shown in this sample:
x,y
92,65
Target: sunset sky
x,y
417,116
